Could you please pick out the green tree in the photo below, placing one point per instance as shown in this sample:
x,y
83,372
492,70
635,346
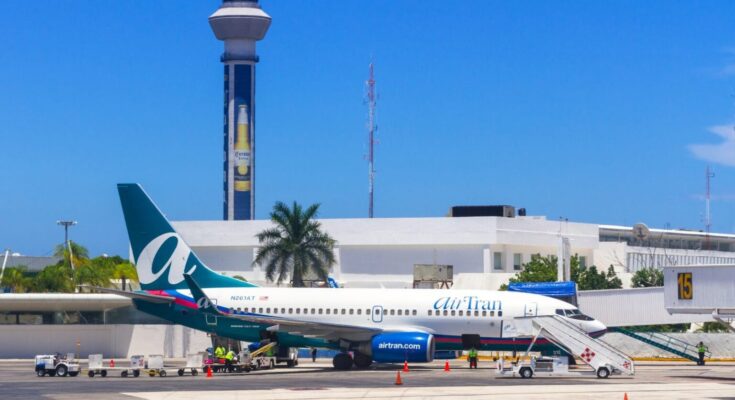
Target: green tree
x,y
54,278
295,246
16,278
544,269
80,254
713,327
125,271
647,277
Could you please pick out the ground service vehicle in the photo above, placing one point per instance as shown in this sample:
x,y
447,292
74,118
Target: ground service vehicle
x,y
57,365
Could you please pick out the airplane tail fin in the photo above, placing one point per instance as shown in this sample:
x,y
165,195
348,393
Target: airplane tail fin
x,y
160,255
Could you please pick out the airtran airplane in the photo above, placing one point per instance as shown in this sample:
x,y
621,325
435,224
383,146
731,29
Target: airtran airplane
x,y
365,325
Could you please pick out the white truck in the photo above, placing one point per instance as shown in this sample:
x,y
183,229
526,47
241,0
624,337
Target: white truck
x,y
57,365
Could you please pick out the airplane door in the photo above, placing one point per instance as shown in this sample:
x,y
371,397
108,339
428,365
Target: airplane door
x,y
211,319
531,310
377,314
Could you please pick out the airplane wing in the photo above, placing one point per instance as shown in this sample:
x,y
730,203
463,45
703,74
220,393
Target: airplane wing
x,y
153,298
296,327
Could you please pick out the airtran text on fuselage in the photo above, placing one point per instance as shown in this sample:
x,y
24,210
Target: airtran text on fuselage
x,y
467,303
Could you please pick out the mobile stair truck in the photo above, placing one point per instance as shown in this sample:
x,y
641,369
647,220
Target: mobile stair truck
x,y
97,367
604,359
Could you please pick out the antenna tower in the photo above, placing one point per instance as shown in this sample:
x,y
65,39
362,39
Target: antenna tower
x,y
707,217
371,102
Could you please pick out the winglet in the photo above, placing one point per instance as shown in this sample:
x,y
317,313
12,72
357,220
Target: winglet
x,y
203,302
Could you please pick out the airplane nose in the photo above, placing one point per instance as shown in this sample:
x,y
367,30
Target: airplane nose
x,y
597,326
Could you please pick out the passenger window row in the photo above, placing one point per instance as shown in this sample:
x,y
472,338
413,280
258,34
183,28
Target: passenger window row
x,y
462,313
320,311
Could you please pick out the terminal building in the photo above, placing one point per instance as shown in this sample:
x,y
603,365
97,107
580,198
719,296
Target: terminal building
x,y
484,251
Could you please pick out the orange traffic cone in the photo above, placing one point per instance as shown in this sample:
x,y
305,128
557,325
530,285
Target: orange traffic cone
x,y
398,378
446,366
112,363
625,397
405,366
209,372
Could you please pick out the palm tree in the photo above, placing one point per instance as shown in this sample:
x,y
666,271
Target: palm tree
x,y
124,271
54,278
15,278
80,253
295,246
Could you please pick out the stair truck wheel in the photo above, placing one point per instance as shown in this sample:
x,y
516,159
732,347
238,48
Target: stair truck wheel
x,y
90,374
194,372
180,372
162,373
526,373
136,373
603,373
103,373
124,373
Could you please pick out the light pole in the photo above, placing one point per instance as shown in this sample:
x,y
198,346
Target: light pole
x,y
66,225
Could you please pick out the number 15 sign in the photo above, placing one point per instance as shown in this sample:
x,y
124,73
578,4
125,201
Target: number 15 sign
x,y
686,286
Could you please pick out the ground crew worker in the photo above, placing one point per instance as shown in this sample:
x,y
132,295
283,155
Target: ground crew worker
x,y
219,353
701,349
313,354
473,357
228,358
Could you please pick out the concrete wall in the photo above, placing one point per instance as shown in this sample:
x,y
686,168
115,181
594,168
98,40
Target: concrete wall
x,y
121,341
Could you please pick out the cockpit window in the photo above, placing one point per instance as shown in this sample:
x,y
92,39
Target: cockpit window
x,y
576,314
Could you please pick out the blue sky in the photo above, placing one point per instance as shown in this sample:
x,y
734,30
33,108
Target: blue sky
x,y
603,112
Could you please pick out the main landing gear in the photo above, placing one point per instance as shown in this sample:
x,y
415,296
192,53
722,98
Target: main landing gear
x,y
344,361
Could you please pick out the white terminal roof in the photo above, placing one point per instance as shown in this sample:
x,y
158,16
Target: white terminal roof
x,y
672,232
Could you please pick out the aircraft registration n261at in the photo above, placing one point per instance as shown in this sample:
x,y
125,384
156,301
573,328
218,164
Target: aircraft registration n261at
x,y
366,325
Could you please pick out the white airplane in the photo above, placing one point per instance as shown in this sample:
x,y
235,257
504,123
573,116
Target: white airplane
x,y
366,325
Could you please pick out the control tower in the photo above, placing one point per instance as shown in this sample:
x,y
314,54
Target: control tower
x,y
239,24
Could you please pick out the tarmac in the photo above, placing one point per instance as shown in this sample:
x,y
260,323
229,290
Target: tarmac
x,y
653,380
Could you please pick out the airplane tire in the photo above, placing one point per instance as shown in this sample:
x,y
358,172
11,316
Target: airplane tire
x,y
603,373
342,361
362,361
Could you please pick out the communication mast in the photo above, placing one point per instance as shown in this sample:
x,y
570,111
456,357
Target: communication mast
x,y
371,102
707,217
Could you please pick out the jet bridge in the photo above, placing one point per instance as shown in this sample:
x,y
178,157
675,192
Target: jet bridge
x,y
602,357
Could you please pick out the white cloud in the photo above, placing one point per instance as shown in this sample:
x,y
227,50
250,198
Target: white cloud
x,y
720,153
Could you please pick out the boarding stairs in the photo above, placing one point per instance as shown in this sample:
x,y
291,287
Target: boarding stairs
x,y
263,349
573,340
666,343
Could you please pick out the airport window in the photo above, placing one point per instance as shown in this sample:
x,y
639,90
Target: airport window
x,y
352,311
359,311
290,310
344,311
517,261
298,311
392,312
430,313
454,313
260,310
377,311
484,313
239,309
336,311
268,310
500,313
477,313
367,311
414,312
460,313
445,313
492,313
400,312
328,310
320,311
283,310
406,312
497,260
275,310
313,310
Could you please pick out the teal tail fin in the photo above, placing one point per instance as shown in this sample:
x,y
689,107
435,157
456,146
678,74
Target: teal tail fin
x,y
160,255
